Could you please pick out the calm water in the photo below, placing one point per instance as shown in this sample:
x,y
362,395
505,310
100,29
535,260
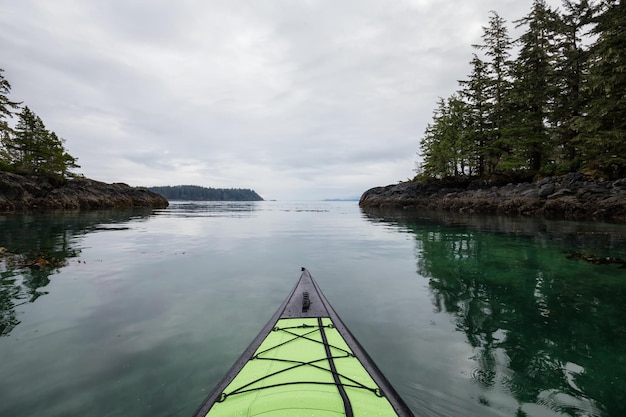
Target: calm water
x,y
140,313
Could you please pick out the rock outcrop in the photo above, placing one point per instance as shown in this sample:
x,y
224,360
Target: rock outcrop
x,y
573,196
20,193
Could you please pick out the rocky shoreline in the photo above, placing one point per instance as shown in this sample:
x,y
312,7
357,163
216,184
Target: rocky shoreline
x,y
19,193
573,196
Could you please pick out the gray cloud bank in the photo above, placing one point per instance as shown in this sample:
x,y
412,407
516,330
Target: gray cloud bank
x,y
295,99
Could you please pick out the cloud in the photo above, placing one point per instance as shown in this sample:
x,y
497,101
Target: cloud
x,y
297,100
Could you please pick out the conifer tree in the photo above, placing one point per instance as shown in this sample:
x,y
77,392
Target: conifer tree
x,y
474,93
7,107
533,92
446,147
465,137
496,47
571,70
434,149
7,110
28,142
604,124
37,151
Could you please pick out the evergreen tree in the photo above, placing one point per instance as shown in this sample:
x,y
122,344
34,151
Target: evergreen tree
x,y
478,107
570,75
533,92
28,142
30,148
496,46
59,162
434,150
466,135
36,151
7,109
604,125
446,146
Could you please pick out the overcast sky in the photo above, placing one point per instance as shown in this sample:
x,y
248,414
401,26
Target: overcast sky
x,y
297,99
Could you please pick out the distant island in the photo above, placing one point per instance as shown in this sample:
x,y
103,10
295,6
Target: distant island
x,y
198,193
342,199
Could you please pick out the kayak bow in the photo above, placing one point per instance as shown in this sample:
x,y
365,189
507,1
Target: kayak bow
x,y
305,362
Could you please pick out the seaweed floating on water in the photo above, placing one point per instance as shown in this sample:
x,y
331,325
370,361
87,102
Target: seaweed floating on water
x,y
33,261
597,260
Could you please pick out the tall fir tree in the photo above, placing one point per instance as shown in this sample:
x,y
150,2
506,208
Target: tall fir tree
x,y
474,93
570,77
496,46
446,145
7,109
37,151
433,148
604,125
533,90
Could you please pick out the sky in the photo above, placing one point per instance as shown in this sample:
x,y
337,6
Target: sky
x,y
295,99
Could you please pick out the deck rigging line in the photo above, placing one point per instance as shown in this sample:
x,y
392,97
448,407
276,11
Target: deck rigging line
x,y
342,391
314,363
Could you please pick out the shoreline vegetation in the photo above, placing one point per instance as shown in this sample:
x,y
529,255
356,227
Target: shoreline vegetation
x,y
537,128
548,103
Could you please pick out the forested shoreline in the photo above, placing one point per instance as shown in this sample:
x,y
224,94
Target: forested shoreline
x,y
541,133
558,106
198,193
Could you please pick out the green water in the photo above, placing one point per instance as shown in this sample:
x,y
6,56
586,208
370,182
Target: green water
x,y
140,313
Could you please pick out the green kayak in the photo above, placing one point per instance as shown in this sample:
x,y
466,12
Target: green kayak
x,y
304,362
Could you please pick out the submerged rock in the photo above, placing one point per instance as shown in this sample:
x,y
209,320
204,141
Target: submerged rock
x,y
572,196
20,193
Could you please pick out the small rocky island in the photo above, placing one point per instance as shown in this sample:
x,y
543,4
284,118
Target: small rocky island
x,y
573,196
30,193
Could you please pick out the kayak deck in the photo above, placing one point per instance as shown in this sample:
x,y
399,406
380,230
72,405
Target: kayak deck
x,y
304,362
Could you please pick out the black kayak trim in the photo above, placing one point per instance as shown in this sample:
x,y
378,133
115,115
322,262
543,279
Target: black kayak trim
x,y
306,300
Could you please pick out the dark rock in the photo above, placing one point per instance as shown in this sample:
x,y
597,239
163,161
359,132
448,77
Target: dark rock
x,y
546,190
570,179
620,184
544,181
561,193
20,193
568,207
531,193
572,196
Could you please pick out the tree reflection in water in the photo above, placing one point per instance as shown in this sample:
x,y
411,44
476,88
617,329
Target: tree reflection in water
x,y
35,247
544,328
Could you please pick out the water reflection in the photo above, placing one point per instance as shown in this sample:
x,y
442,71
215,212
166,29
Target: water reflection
x,y
602,237
544,329
191,209
34,247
